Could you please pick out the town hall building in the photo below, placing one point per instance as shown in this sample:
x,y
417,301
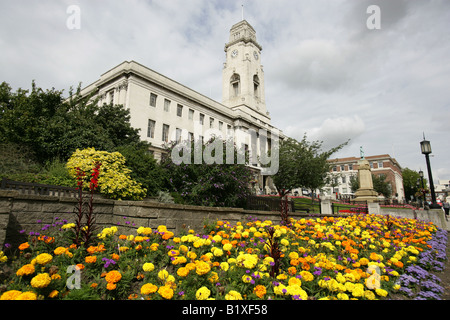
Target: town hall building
x,y
165,110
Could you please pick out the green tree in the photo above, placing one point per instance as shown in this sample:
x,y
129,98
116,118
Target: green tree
x,y
380,185
54,127
145,169
410,178
207,184
302,164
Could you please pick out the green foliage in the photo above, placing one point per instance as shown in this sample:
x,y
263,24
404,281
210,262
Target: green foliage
x,y
208,184
17,159
302,164
144,168
54,128
380,185
410,178
114,180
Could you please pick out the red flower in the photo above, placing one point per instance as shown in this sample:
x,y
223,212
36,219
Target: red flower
x,y
95,173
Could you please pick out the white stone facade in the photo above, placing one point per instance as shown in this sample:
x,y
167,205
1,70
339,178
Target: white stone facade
x,y
165,110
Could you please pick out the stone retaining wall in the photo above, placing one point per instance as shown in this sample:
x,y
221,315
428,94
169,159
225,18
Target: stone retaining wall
x,y
21,212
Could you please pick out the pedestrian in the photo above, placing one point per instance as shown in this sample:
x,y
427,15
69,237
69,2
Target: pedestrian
x,y
446,207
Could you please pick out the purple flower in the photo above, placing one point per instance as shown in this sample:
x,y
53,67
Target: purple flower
x,y
108,262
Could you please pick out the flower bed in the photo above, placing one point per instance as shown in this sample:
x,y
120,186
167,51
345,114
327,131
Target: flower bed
x,y
354,257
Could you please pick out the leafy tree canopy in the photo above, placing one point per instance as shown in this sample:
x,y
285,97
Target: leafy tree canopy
x,y
302,164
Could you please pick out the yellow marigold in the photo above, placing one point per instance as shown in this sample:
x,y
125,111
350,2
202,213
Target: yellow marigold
x,y
381,292
154,246
218,252
293,281
364,261
143,230
307,276
233,295
202,268
183,272
113,276
28,295
44,258
224,266
25,270
148,288
148,267
203,293
163,274
227,246
179,260
166,292
68,226
58,251
42,280
173,253
3,257
10,295
191,266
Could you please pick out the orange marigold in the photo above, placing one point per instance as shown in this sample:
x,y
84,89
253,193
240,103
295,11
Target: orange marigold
x,y
113,276
260,291
24,246
91,259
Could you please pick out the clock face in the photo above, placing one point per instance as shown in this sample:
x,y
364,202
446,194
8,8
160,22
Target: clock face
x,y
234,53
255,54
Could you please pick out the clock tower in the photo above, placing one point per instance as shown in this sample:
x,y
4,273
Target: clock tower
x,y
243,75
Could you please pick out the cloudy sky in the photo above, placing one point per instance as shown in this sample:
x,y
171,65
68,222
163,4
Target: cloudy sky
x,y
326,73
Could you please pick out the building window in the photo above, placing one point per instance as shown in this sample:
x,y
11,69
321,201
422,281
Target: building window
x,y
220,125
111,97
165,133
334,168
190,136
202,118
380,164
166,105
178,135
229,131
179,110
151,129
350,167
342,167
211,122
371,164
191,114
153,99
256,85
343,179
235,85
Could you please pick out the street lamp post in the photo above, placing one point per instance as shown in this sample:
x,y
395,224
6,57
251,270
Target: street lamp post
x,y
423,187
425,147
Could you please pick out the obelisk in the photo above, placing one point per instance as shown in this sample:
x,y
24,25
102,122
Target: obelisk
x,y
365,193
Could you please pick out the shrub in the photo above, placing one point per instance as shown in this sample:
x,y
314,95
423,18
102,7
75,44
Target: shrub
x,y
114,180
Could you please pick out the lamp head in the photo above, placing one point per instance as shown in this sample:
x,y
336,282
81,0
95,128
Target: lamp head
x,y
425,147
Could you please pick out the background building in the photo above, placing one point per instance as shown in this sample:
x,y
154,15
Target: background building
x,y
344,168
165,110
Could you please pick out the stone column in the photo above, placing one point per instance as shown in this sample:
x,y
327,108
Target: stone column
x,y
325,205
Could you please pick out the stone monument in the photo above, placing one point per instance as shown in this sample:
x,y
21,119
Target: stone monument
x,y
365,191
